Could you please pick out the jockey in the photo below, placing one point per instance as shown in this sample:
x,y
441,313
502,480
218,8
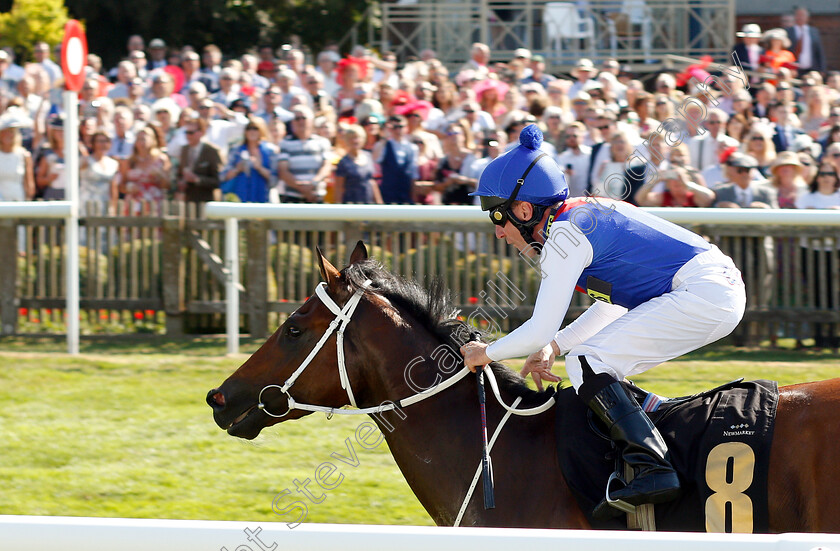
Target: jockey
x,y
660,291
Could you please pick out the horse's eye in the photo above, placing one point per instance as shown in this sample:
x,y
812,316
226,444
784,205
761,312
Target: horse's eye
x,y
293,331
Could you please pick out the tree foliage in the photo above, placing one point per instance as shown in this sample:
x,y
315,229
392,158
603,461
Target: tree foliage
x,y
30,21
234,25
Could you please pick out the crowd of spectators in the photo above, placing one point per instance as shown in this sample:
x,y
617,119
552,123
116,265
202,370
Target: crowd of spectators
x,y
270,127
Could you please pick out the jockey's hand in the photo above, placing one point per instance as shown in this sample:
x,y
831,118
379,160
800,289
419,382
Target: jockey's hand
x,y
474,355
539,365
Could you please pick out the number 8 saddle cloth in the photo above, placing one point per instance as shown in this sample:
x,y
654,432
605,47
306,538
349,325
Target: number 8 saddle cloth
x,y
719,443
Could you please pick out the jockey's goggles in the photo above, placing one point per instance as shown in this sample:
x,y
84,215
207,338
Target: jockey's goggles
x,y
498,207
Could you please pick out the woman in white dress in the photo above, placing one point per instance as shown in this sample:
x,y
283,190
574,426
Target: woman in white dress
x,y
17,182
98,177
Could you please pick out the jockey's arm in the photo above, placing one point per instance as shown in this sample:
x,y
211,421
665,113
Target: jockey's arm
x,y
560,277
587,325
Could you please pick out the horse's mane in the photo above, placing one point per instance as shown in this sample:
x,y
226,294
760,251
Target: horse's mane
x,y
431,306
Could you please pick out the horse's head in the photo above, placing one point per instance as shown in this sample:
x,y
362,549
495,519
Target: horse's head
x,y
300,359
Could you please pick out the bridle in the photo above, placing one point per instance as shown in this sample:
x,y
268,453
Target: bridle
x,y
338,325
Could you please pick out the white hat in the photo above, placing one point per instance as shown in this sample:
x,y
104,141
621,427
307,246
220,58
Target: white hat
x,y
750,30
14,117
522,52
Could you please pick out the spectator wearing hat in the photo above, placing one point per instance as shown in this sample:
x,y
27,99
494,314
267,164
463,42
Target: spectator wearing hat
x,y
776,52
490,94
740,190
17,177
583,73
749,50
415,114
200,163
807,44
538,74
157,54
679,191
787,179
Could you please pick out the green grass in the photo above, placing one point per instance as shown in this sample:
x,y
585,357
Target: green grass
x,y
123,431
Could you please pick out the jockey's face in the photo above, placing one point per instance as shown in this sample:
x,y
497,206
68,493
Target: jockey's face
x,y
510,233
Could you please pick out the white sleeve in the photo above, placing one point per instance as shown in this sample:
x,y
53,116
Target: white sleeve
x,y
596,317
561,265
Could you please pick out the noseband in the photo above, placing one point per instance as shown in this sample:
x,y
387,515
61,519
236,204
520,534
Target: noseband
x,y
337,325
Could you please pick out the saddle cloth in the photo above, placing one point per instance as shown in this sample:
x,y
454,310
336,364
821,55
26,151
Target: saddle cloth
x,y
719,441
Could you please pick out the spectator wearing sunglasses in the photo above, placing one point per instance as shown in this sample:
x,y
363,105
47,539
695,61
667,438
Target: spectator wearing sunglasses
x,y
397,157
740,190
660,291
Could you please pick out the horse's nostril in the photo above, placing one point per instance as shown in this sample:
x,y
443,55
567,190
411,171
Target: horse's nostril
x,y
215,399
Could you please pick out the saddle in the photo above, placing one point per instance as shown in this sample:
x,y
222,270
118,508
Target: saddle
x,y
719,443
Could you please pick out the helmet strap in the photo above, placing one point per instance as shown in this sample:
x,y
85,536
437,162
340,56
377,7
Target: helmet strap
x,y
526,228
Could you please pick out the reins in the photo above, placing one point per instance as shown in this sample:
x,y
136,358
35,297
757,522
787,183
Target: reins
x,y
338,325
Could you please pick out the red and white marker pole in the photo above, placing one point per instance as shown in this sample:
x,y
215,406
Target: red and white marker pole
x,y
73,62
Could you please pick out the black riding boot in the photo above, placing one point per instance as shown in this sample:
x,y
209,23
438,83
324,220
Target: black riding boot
x,y
641,447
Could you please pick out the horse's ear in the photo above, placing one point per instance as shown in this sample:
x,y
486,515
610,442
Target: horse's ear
x,y
359,254
329,273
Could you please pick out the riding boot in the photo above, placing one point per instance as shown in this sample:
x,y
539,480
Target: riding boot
x,y
641,447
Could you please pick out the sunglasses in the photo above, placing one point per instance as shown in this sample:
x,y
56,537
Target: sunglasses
x,y
835,154
299,119
607,127
834,174
468,111
190,132
742,170
414,115
251,128
500,214
397,126
757,138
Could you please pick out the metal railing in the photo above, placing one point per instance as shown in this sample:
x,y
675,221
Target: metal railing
x,y
638,32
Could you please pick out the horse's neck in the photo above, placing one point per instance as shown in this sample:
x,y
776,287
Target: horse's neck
x,y
437,445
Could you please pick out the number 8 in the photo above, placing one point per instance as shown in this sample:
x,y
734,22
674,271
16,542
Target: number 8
x,y
718,476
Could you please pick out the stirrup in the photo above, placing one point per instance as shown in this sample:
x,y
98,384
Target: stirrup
x,y
619,504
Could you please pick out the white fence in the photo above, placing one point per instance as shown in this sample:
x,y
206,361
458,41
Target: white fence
x,y
23,533
232,212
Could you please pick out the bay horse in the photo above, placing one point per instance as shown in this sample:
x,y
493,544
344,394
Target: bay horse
x,y
387,355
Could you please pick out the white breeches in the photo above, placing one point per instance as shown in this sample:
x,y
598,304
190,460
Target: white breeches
x,y
706,303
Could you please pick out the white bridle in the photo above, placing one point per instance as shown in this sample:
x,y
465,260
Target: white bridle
x,y
338,325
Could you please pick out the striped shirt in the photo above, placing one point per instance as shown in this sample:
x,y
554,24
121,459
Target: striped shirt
x,y
305,158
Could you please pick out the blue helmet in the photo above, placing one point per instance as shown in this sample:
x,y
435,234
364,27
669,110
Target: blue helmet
x,y
525,173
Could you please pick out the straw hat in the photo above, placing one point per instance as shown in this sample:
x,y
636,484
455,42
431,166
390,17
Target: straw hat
x,y
777,34
786,158
14,118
